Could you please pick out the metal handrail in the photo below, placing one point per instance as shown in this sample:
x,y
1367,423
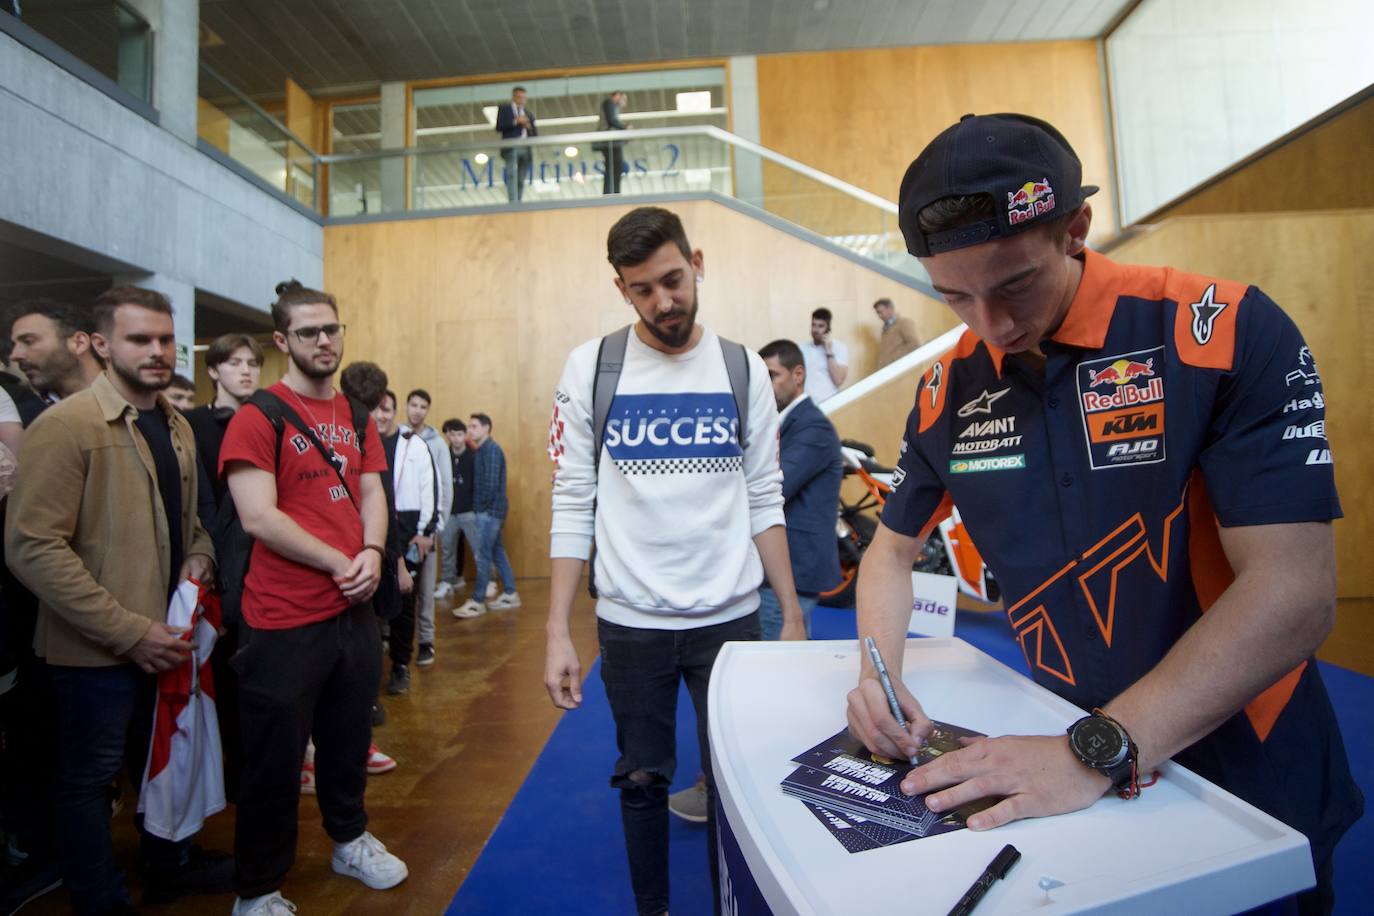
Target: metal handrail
x,y
261,112
701,130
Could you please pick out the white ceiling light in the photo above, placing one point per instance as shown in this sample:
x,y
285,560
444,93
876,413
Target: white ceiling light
x,y
481,158
570,152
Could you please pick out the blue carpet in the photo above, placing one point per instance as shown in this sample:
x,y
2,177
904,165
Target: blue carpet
x,y
561,837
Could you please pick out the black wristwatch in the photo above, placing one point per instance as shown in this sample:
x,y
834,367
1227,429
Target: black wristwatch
x,y
1100,742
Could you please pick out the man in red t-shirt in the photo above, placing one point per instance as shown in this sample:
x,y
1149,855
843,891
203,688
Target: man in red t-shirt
x,y
309,656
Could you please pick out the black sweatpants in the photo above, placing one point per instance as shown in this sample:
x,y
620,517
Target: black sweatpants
x,y
401,628
318,679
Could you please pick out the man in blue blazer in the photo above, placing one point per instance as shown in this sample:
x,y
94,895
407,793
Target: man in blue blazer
x,y
514,121
811,473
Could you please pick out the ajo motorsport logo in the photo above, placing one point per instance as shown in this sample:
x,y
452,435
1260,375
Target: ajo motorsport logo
x,y
1122,400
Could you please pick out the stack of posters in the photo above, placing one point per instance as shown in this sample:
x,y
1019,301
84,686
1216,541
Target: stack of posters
x,y
857,795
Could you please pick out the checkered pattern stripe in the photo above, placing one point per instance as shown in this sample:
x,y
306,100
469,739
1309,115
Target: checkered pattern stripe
x,y
653,466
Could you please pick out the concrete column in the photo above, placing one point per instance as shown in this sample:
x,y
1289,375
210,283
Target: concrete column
x,y
183,297
744,122
176,62
393,137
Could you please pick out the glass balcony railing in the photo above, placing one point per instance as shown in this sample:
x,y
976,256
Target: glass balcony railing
x,y
651,162
239,128
569,167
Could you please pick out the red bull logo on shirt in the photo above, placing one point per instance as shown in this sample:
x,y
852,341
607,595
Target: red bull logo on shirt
x,y
1032,199
1122,400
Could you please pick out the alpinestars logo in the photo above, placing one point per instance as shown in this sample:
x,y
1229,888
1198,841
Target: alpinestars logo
x,y
937,375
1205,312
982,404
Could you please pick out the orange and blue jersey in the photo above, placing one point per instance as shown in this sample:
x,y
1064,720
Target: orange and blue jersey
x,y
1170,404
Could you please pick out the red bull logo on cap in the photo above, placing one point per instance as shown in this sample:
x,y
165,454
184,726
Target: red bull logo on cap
x,y
1032,199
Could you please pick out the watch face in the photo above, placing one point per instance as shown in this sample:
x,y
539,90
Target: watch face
x,y
1097,741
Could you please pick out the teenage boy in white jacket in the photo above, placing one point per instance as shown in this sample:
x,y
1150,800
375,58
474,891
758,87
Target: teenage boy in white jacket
x,y
686,521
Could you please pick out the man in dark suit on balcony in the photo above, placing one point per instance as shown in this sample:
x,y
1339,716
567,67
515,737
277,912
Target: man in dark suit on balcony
x,y
811,473
514,121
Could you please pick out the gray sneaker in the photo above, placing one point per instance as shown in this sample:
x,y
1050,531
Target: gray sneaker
x,y
506,602
690,804
399,682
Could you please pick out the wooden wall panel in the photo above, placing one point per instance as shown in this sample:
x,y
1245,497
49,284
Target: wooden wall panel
x,y
1315,265
864,115
212,125
483,310
1326,168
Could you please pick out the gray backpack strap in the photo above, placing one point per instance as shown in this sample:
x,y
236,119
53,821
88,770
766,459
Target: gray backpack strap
x,y
610,357
737,367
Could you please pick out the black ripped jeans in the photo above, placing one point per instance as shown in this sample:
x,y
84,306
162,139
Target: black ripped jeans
x,y
641,668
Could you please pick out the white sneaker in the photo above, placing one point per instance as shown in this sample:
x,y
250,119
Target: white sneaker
x,y
491,590
469,608
367,860
508,601
443,590
273,904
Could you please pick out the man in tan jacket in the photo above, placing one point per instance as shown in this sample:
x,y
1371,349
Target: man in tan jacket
x,y
101,527
899,334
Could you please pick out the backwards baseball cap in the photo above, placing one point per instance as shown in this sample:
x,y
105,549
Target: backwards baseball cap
x,y
1023,163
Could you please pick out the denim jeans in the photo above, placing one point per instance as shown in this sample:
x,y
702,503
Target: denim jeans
x,y
491,556
464,523
770,612
104,721
641,669
519,166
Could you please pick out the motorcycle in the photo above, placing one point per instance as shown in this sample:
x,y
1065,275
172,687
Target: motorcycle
x,y
949,551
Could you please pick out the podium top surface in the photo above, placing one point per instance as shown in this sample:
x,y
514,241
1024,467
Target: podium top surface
x,y
1185,845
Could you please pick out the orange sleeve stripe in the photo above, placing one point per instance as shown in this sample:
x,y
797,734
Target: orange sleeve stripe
x,y
1264,710
1212,575
937,379
941,513
1217,348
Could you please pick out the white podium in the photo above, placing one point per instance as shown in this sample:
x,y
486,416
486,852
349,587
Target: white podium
x,y
1184,846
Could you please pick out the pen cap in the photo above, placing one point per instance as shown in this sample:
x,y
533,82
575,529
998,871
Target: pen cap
x,y
1004,861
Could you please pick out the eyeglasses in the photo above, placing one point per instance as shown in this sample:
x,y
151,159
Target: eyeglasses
x,y
311,334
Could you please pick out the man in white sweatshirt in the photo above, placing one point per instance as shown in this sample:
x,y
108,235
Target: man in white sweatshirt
x,y
686,521
417,411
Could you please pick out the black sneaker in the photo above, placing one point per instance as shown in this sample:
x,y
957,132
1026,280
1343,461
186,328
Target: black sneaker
x,y
26,882
378,715
399,682
205,871
425,657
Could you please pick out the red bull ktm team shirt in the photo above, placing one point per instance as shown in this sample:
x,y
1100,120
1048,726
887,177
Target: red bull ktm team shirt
x,y
1169,404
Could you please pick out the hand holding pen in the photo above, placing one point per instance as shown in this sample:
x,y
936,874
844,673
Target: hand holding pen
x,y
883,714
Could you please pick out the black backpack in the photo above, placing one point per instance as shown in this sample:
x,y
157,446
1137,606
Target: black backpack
x,y
234,546
610,359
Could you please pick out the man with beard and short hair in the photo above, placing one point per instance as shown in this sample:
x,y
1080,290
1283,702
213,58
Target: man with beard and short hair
x,y
102,528
310,653
52,346
417,411
666,603
827,360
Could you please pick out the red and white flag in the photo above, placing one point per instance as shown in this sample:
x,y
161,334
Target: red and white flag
x,y
183,783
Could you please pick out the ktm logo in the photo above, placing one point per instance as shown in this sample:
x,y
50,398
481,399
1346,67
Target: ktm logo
x,y
1133,423
1126,424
